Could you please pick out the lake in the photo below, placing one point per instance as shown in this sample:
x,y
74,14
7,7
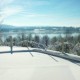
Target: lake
x,y
5,35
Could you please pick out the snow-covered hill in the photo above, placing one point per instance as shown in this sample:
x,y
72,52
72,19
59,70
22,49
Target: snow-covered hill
x,y
24,66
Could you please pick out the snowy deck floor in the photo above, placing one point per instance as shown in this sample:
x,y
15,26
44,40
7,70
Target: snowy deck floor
x,y
23,66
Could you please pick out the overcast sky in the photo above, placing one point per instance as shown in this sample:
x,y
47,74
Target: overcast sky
x,y
40,12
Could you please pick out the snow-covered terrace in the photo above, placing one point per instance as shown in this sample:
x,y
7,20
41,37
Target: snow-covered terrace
x,y
36,65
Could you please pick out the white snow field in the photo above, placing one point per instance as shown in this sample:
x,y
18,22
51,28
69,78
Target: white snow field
x,y
24,66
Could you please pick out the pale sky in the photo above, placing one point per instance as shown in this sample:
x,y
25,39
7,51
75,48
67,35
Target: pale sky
x,y
40,12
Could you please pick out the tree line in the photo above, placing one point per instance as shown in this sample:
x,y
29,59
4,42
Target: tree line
x,y
66,44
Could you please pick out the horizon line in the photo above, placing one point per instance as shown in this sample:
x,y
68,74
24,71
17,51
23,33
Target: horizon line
x,y
39,25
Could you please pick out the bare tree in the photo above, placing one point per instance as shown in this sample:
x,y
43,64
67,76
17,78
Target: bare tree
x,y
2,4
0,25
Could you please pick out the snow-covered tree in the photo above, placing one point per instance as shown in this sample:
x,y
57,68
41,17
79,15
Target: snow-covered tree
x,y
76,49
53,40
45,40
37,38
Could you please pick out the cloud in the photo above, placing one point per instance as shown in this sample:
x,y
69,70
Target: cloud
x,y
11,11
35,15
36,3
5,2
40,3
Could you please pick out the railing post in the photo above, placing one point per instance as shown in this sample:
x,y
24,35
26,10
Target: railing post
x,y
11,44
